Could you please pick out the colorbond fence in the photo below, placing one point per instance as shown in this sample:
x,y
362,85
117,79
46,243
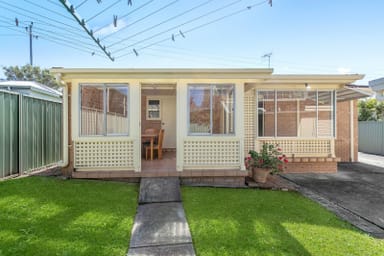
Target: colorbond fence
x,y
371,137
30,133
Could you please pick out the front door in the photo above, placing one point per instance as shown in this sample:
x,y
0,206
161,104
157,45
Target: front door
x,y
168,120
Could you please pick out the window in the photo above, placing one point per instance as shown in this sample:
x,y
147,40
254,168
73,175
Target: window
x,y
305,114
103,109
211,109
153,109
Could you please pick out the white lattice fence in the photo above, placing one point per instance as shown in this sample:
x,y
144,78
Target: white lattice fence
x,y
102,154
249,121
211,152
302,147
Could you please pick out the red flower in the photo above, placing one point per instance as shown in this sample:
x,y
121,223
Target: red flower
x,y
280,157
285,160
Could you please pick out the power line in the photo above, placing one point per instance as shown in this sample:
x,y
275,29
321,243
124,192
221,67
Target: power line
x,y
127,14
182,24
59,41
43,23
183,52
79,5
192,29
107,8
163,22
71,46
55,3
89,32
143,18
47,9
205,57
27,11
65,36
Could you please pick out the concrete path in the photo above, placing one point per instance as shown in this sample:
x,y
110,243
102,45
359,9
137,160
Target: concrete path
x,y
355,193
160,226
375,160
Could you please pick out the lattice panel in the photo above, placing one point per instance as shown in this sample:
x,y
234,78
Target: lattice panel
x,y
249,121
212,153
101,154
302,147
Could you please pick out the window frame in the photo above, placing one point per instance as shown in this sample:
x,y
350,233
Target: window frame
x,y
104,86
211,88
147,109
334,114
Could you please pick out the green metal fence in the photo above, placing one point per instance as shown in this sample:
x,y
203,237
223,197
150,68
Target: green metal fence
x,y
9,134
30,133
371,137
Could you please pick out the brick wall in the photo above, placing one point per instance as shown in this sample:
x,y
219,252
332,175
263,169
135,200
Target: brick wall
x,y
343,139
311,164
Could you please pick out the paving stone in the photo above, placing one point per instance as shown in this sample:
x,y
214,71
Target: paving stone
x,y
167,250
156,190
160,224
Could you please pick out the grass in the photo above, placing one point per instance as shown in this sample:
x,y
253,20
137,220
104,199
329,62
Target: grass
x,y
48,216
259,222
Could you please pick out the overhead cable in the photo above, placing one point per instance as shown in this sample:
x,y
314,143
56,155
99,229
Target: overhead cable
x,y
141,19
107,8
163,22
193,29
179,25
125,15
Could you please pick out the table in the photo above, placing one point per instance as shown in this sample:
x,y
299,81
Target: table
x,y
152,138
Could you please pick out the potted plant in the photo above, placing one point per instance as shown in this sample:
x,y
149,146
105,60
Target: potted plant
x,y
269,160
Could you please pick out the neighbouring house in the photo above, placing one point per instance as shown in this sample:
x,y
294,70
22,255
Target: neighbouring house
x,y
377,86
211,119
32,89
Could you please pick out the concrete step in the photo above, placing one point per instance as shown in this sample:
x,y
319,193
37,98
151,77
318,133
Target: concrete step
x,y
158,190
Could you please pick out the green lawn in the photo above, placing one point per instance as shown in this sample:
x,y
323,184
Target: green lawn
x,y
48,216
259,222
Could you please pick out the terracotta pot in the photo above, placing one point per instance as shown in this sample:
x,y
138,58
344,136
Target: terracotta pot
x,y
260,174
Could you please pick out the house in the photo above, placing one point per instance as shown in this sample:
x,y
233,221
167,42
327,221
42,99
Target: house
x,y
377,86
32,89
211,118
30,127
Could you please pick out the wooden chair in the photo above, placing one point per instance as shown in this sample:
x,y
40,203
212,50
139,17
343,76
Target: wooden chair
x,y
157,146
146,142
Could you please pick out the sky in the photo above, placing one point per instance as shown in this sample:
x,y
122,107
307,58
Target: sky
x,y
301,36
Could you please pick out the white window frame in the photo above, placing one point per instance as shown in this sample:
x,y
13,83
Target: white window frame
x,y
211,87
148,110
334,114
105,86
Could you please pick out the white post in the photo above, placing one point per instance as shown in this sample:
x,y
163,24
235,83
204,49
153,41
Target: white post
x,y
239,120
134,122
181,122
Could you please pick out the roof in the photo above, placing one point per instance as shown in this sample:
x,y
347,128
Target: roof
x,y
161,73
249,75
31,88
377,84
352,92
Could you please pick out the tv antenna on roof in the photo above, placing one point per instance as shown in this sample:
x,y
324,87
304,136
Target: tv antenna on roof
x,y
268,55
